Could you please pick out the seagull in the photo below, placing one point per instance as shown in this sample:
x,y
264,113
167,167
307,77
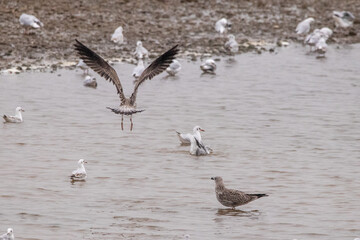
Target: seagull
x,y
27,20
140,51
232,45
313,37
327,32
83,66
185,138
343,19
79,174
222,25
232,198
209,66
99,65
321,47
138,70
198,148
15,119
9,235
304,26
117,36
174,68
90,82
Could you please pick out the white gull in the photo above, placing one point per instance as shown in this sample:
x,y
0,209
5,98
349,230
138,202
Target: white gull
x,y
15,119
232,45
198,148
80,173
343,19
140,51
117,36
90,82
304,26
139,69
209,66
174,68
222,25
185,138
9,235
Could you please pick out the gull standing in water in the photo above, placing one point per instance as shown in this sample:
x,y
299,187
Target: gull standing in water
x,y
99,65
140,51
138,70
198,148
27,21
79,174
209,66
117,36
90,82
83,66
185,138
222,25
343,19
321,47
9,235
230,197
174,68
304,26
15,119
313,38
232,45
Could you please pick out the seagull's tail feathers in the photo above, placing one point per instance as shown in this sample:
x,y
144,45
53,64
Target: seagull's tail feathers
x,y
259,195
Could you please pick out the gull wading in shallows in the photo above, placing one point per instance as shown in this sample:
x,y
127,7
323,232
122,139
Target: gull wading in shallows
x,y
99,65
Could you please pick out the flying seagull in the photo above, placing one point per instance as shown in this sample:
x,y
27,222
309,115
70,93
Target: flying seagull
x,y
230,197
99,65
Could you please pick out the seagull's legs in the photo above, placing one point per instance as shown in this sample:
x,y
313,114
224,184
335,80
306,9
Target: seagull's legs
x,y
122,122
131,126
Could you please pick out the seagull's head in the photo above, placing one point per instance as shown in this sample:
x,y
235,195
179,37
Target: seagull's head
x,y
210,62
223,21
10,231
217,179
310,20
139,43
19,109
87,78
198,129
348,16
231,37
81,161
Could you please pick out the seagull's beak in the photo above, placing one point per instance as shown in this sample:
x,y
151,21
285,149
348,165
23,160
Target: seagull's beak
x,y
22,110
202,130
85,162
212,178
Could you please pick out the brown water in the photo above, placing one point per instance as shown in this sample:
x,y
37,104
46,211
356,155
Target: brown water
x,y
285,124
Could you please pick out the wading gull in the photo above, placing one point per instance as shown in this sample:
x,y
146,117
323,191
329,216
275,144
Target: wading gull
x,y
140,51
99,65
222,25
15,119
9,235
304,26
83,66
313,38
185,138
198,148
138,70
27,20
321,47
232,45
209,66
343,19
79,174
174,68
230,197
90,82
117,36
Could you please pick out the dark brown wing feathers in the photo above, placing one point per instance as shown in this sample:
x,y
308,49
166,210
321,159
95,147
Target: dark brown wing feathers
x,y
155,68
99,65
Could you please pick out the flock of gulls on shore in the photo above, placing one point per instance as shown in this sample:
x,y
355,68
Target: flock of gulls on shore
x,y
167,62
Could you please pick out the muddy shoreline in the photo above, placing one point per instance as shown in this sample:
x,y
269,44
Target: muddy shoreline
x,y
258,26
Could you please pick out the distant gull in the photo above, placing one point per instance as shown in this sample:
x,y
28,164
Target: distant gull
x,y
90,82
343,19
304,26
117,36
230,197
327,32
185,138
140,51
198,148
232,45
27,20
139,69
83,66
15,119
222,25
321,47
174,68
209,66
313,37
99,65
79,174
9,235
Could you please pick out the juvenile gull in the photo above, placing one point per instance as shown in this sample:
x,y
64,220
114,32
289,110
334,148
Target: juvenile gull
x,y
9,235
140,51
117,36
209,66
99,65
174,68
232,45
138,70
27,20
15,119
304,26
185,138
222,25
90,82
83,66
79,174
230,197
198,148
343,19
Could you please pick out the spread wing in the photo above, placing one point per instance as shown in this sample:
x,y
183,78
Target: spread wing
x,y
155,68
99,65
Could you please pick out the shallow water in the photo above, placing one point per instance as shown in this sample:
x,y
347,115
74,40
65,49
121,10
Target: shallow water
x,y
285,124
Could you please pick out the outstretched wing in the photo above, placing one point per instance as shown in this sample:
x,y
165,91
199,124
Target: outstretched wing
x,y
155,68
99,65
